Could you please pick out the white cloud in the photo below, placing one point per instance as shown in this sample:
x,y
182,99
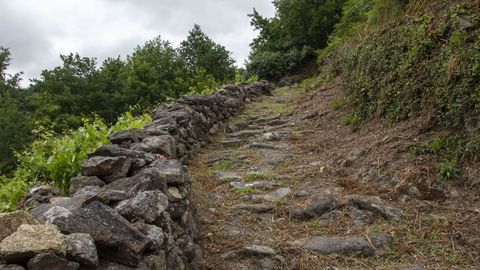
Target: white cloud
x,y
38,31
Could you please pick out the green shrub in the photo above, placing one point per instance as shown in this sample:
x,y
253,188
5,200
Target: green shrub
x,y
352,120
338,104
55,159
447,170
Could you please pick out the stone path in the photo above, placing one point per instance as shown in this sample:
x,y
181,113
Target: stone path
x,y
260,210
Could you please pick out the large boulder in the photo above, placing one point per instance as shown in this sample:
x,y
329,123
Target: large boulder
x,y
116,239
81,248
147,205
30,240
144,180
171,171
10,222
107,168
164,145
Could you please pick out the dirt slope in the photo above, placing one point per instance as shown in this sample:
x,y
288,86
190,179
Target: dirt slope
x,y
291,186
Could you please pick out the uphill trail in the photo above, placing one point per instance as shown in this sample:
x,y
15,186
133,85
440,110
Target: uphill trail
x,y
289,186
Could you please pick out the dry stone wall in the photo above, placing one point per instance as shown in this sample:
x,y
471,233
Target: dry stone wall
x,y
130,208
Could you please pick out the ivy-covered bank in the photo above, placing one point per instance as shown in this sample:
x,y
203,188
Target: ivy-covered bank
x,y
422,59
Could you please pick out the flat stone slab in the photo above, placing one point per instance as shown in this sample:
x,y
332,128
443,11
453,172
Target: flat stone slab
x,y
257,250
272,157
263,145
277,194
375,205
228,176
356,245
231,143
256,185
246,133
256,208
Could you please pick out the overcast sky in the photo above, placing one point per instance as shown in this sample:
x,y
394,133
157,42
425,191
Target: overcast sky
x,y
38,31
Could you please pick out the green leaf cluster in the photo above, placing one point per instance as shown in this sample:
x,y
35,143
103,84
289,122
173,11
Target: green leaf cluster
x,y
54,159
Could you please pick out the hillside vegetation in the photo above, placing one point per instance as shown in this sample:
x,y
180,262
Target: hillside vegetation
x,y
407,59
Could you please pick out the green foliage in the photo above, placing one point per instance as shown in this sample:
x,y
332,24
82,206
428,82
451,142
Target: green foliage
x,y
352,120
447,170
198,51
337,104
202,83
224,165
55,159
394,74
15,123
289,40
11,192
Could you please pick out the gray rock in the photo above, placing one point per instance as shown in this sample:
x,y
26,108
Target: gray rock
x,y
262,145
49,261
317,207
113,150
153,233
301,193
257,250
228,231
56,212
271,136
108,197
246,133
9,222
277,194
77,183
257,208
349,246
11,267
272,157
147,205
30,240
264,185
164,145
329,216
132,135
107,168
38,195
375,205
115,238
227,176
361,217
81,249
171,171
231,143
87,191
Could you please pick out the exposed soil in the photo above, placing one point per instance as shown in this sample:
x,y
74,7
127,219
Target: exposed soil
x,y
299,141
